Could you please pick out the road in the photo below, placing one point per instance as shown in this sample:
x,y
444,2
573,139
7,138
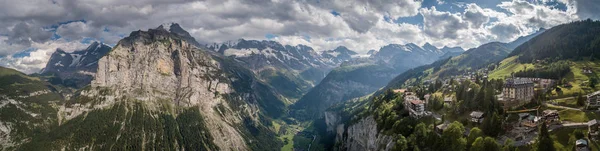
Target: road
x,y
567,125
562,107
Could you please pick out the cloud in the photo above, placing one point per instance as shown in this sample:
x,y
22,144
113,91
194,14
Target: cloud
x,y
36,60
505,31
442,24
475,16
359,24
585,8
24,33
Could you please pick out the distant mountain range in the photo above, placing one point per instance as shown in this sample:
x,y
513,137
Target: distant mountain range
x,y
159,89
292,70
361,76
77,68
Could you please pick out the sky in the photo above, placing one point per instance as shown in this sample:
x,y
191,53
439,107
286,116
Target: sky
x,y
31,30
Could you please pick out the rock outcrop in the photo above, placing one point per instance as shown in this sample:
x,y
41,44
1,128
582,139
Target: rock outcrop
x,y
155,90
359,136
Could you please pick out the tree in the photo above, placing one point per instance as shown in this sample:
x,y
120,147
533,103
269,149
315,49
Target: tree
x,y
492,125
478,144
508,145
401,144
452,138
473,134
544,141
485,144
420,135
580,99
491,144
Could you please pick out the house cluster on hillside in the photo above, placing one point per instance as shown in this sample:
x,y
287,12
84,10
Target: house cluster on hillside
x,y
593,100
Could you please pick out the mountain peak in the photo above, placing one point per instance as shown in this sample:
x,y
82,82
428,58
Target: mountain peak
x,y
428,46
345,50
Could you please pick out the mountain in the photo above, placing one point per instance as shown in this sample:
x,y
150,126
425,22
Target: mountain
x,y
27,107
154,90
371,52
375,121
361,76
174,28
291,70
524,39
577,40
451,52
337,55
77,68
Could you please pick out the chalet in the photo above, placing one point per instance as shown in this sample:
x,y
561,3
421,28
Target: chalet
x,y
517,91
593,129
546,84
427,96
528,120
416,108
477,116
551,117
448,100
439,129
587,70
399,90
593,100
581,145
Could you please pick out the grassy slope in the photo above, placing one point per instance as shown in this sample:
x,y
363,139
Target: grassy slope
x,y
35,108
576,78
508,66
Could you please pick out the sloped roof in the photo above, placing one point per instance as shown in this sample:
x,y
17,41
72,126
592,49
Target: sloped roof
x,y
476,114
415,101
517,81
592,122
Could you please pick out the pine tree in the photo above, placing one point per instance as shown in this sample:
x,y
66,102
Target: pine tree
x,y
544,141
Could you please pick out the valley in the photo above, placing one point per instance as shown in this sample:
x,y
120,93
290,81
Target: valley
x,y
167,88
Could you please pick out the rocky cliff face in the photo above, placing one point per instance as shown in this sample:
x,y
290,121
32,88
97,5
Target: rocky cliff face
x,y
155,65
157,91
359,136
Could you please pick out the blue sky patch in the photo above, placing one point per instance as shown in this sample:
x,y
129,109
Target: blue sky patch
x,y
24,53
334,13
270,36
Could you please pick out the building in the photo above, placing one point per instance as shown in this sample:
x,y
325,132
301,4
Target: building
x,y
448,100
416,108
426,97
477,116
517,91
593,129
546,84
551,117
581,145
399,90
528,120
586,70
439,129
593,100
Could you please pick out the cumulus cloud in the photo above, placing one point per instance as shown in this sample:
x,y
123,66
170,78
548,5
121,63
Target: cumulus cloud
x,y
360,25
36,60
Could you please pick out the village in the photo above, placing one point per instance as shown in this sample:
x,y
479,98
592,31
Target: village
x,y
524,113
